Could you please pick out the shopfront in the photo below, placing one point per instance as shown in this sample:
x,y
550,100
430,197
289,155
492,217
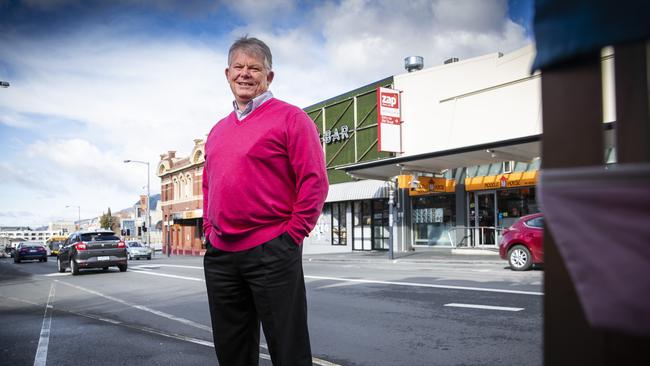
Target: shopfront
x,y
496,202
433,209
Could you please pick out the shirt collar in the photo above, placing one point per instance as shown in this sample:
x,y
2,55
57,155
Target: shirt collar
x,y
252,105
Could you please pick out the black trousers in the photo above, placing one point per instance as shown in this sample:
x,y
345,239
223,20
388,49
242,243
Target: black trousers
x,y
263,284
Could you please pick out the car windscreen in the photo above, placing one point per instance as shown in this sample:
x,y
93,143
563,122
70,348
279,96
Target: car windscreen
x,y
98,236
135,244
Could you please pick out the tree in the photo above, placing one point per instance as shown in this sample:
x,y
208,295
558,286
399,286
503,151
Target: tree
x,y
108,221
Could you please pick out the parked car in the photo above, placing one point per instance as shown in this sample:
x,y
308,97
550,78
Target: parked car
x,y
92,249
29,250
521,243
137,250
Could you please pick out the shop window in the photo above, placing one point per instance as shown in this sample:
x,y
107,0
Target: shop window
x,y
508,166
482,170
339,223
433,217
494,169
515,203
370,225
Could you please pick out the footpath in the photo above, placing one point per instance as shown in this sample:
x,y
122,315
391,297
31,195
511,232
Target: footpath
x,y
419,255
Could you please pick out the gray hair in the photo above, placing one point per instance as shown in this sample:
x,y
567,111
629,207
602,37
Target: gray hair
x,y
254,46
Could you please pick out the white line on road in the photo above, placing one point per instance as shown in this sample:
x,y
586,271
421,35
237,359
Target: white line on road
x,y
154,266
169,275
44,340
141,307
485,307
413,284
397,283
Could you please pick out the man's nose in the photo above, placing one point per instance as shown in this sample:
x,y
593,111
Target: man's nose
x,y
246,71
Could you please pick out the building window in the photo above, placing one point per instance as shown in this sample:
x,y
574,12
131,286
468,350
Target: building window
x,y
433,218
339,223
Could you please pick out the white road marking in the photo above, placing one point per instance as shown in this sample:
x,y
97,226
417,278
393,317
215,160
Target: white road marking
x,y
56,274
413,284
44,340
154,266
169,275
143,308
397,283
485,307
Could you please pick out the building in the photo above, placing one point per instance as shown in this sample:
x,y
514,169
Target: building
x,y
445,156
28,234
182,201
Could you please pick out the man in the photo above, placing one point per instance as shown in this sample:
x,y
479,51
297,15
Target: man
x,y
264,185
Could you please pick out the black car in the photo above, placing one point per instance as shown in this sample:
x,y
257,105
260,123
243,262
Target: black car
x,y
92,249
30,251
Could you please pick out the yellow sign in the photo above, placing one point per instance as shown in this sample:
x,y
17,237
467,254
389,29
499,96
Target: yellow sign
x,y
511,180
426,185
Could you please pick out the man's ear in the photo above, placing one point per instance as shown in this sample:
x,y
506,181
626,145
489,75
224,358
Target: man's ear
x,y
269,77
226,72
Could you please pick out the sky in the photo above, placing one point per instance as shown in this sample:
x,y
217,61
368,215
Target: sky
x,y
96,82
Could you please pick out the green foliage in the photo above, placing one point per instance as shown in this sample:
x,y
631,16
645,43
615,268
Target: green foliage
x,y
108,221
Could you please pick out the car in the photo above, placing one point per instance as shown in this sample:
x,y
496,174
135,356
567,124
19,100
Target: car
x,y
521,243
92,249
137,250
29,250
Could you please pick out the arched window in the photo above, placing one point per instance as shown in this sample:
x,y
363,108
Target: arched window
x,y
189,192
177,191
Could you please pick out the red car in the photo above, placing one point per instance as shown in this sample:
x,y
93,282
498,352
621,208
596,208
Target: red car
x,y
521,243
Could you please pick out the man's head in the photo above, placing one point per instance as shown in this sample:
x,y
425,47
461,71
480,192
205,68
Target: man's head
x,y
249,70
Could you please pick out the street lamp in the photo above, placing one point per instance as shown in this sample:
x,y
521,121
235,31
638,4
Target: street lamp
x,y
4,84
78,213
148,220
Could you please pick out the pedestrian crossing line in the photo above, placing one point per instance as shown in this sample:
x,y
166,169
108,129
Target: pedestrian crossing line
x,y
483,307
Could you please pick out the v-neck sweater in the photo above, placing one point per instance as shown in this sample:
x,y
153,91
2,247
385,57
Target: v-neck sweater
x,y
263,176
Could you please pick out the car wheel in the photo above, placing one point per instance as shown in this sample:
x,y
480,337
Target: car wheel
x,y
16,259
122,267
74,267
519,258
60,265
129,257
149,258
45,259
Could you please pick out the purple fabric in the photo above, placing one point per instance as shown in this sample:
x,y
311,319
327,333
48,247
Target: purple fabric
x,y
600,220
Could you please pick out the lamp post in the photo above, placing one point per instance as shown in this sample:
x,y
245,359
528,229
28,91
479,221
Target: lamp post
x,y
148,219
78,214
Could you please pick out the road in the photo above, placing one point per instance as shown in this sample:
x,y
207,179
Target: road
x,y
377,313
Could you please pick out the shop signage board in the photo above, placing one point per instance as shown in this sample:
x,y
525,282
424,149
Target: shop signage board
x,y
511,180
389,120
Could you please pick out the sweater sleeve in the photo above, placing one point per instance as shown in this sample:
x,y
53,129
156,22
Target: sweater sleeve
x,y
207,227
308,163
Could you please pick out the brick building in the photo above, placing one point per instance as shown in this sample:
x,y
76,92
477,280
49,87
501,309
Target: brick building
x,y
182,201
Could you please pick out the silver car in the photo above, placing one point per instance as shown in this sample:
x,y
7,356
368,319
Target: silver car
x,y
137,250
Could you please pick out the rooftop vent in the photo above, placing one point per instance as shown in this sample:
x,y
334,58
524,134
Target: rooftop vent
x,y
451,60
413,63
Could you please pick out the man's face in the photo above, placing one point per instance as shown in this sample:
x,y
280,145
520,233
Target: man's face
x,y
248,77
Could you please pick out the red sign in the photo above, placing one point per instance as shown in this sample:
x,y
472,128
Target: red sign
x,y
389,119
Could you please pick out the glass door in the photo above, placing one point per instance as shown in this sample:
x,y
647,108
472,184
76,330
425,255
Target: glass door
x,y
486,215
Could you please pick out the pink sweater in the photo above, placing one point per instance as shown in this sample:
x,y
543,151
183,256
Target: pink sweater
x,y
262,176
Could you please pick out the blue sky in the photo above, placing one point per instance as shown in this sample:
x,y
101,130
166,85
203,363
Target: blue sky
x,y
96,82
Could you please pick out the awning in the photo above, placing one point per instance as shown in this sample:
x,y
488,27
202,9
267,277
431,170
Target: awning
x,y
361,190
511,180
522,149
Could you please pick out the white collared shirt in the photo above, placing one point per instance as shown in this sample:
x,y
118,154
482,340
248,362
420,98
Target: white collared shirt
x,y
252,105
